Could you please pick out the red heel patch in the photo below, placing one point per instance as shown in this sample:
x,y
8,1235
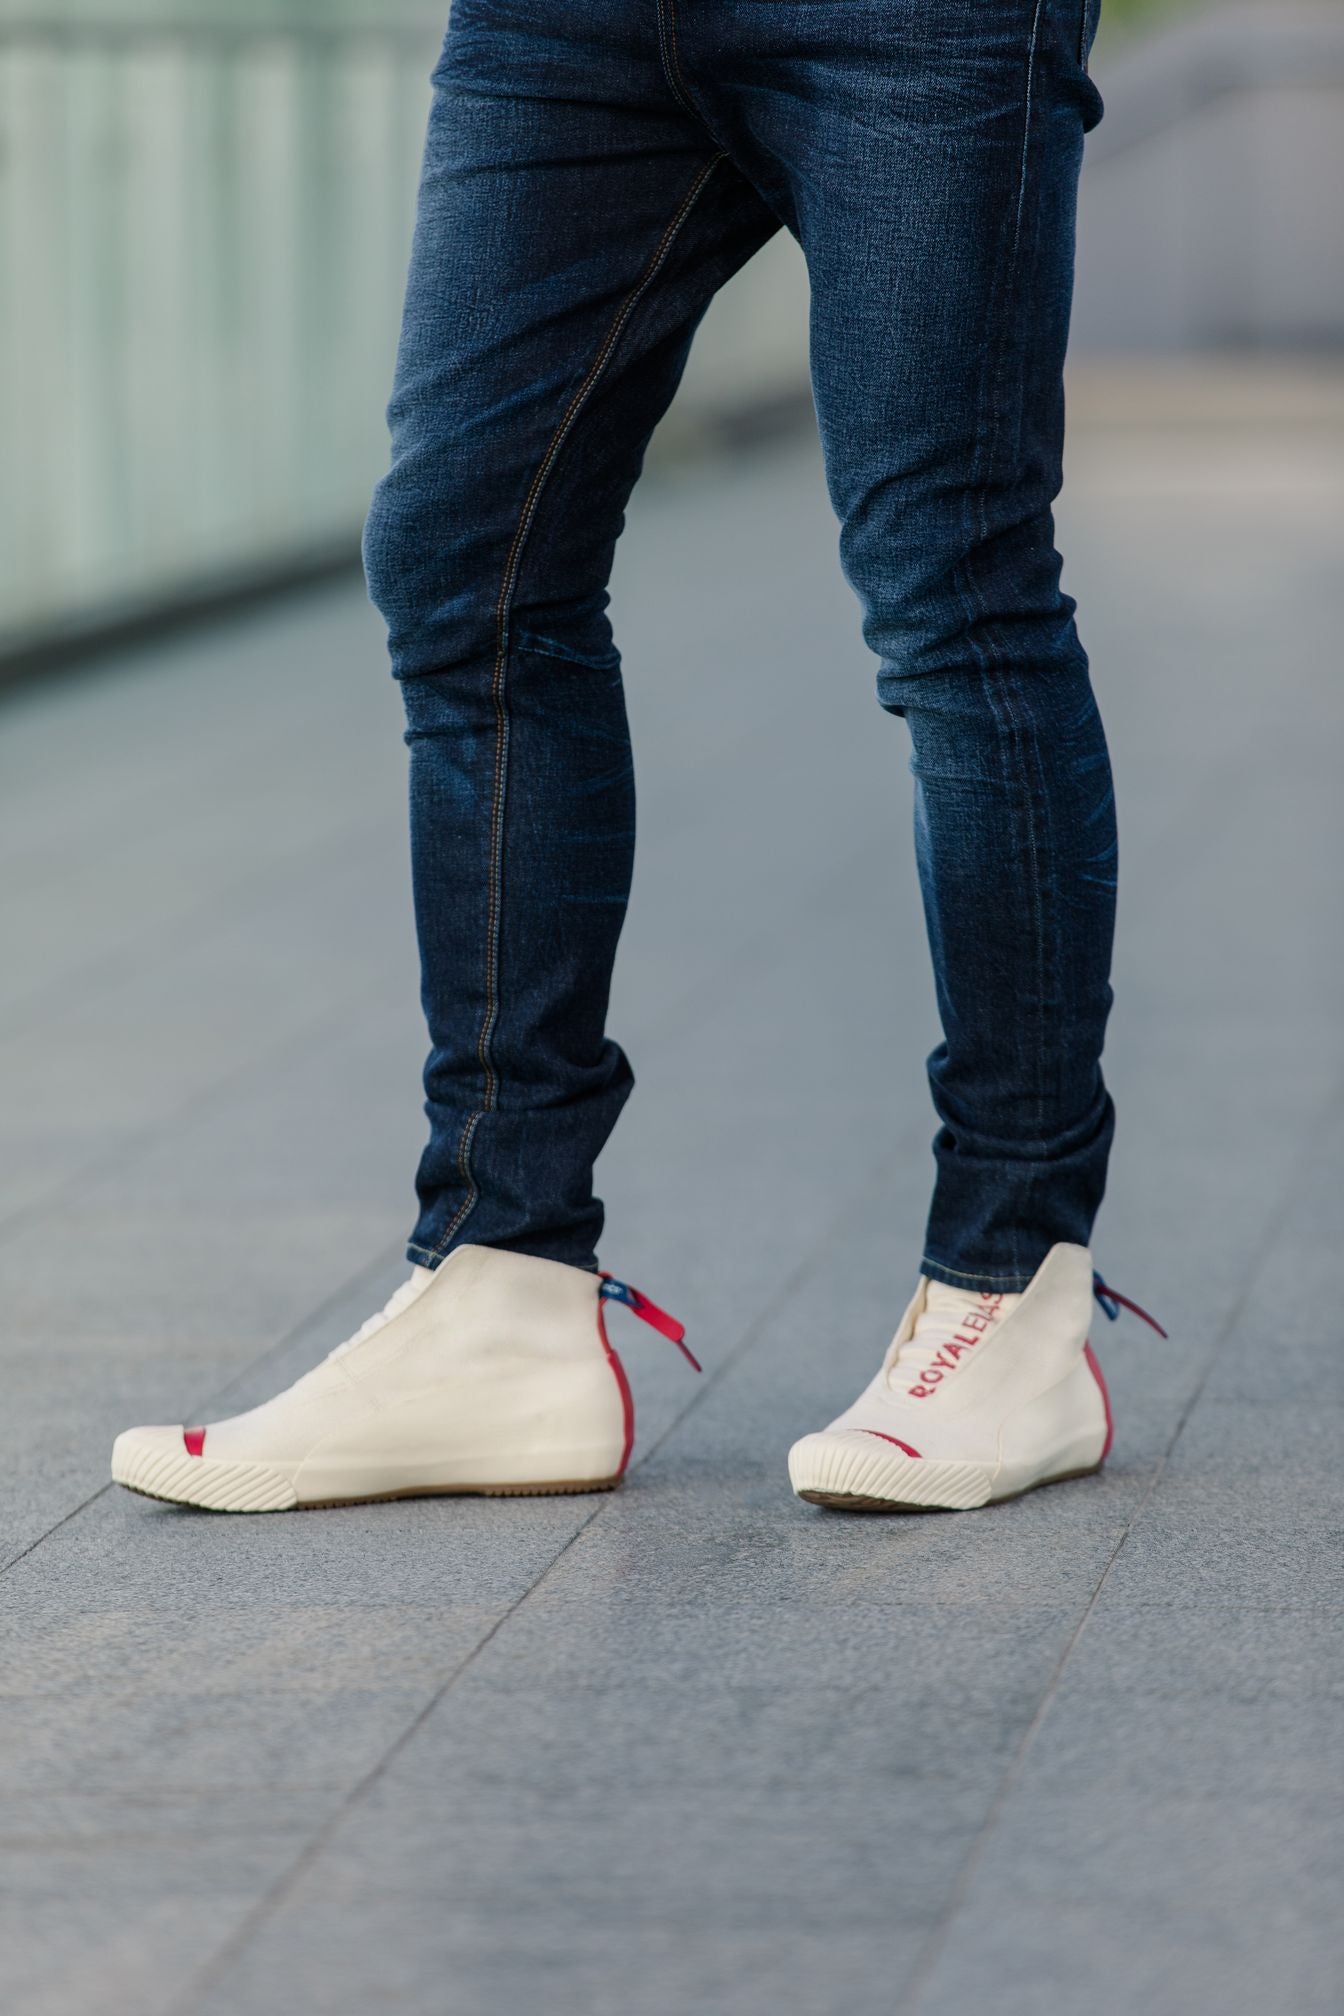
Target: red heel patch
x,y
1095,1370
622,1387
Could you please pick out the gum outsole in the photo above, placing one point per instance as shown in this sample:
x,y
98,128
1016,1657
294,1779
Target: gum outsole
x,y
563,1490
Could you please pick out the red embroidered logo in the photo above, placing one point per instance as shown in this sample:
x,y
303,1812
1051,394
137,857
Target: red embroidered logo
x,y
977,1321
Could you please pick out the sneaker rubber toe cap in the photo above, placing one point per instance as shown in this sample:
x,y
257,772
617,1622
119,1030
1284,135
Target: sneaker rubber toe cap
x,y
172,1463
867,1468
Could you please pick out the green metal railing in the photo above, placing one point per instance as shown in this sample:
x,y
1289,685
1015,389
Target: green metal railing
x,y
204,222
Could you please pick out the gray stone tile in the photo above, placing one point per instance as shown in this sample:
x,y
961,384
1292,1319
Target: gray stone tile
x,y
49,1655
569,1636
153,1040
1210,1541
1132,1748
1174,1834
158,1282
1181,1957
94,1948
605,1968
426,1550
1263,1657
685,1531
1269,1450
770,1856
507,1746
688,1770
252,1739
1288,1341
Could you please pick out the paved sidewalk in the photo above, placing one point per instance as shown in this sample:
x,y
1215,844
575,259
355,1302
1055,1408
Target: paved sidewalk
x,y
692,1746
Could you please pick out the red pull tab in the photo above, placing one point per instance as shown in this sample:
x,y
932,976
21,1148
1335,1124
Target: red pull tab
x,y
1107,1296
613,1290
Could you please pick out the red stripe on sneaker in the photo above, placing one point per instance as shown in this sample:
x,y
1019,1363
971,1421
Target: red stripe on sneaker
x,y
1095,1370
195,1441
895,1443
623,1385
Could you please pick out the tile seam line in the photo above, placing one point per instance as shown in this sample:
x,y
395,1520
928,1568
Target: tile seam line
x,y
64,1520
265,1907
383,1258
936,1944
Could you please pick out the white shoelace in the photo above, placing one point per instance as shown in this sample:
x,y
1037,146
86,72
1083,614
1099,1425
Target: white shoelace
x,y
410,1291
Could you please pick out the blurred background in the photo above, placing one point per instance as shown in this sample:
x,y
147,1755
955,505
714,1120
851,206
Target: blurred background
x,y
204,216
716,1752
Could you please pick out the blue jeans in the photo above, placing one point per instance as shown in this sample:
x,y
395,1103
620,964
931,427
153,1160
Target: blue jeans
x,y
594,170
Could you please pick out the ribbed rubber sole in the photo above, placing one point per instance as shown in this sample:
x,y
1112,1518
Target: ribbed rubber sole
x,y
181,1479
843,1473
850,1504
209,1486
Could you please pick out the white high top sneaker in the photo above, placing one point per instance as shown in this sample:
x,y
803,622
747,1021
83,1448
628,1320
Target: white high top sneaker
x,y
980,1397
493,1374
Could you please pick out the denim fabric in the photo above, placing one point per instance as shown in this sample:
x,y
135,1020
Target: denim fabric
x,y
594,170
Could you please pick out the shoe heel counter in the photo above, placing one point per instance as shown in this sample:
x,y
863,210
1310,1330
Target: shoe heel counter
x,y
624,1398
1063,1430
1103,1399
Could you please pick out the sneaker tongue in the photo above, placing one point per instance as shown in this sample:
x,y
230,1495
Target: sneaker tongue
x,y
955,1315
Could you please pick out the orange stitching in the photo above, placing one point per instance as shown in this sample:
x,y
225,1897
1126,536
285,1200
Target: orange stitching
x,y
671,56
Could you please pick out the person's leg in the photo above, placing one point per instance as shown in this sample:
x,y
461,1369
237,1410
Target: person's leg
x,y
927,158
573,223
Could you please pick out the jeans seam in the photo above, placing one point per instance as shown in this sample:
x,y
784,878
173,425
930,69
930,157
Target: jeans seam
x,y
499,689
1022,738
670,56
1026,738
1007,715
1026,130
